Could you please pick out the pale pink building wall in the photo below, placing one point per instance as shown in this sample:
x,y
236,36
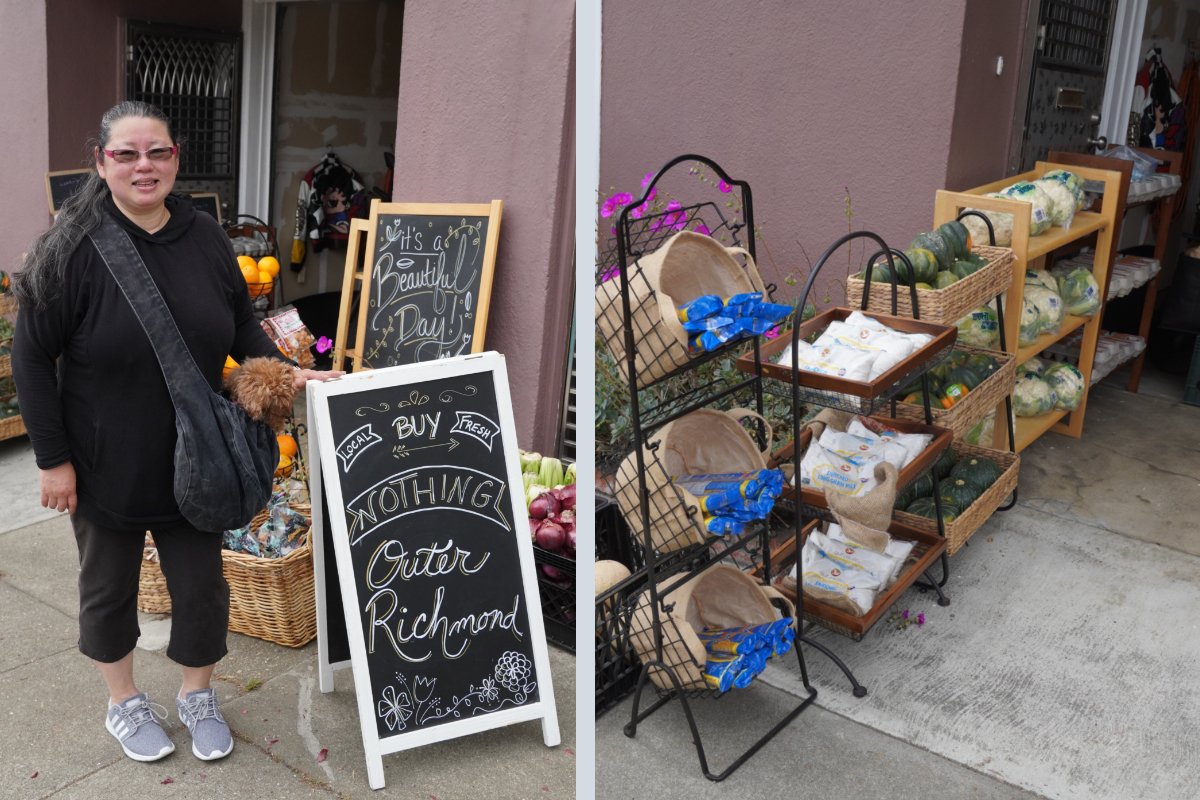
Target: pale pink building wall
x,y
24,128
806,100
485,112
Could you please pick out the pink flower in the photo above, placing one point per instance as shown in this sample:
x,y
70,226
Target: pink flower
x,y
724,187
615,203
702,228
324,344
773,333
675,220
921,618
904,615
649,176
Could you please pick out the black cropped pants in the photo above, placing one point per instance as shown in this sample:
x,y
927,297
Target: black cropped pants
x,y
110,561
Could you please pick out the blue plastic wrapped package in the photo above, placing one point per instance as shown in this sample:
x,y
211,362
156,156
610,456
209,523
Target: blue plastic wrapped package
x,y
736,641
748,484
721,670
737,305
711,340
719,502
724,526
702,307
716,323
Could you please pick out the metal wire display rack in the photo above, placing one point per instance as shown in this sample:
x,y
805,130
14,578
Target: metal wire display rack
x,y
642,349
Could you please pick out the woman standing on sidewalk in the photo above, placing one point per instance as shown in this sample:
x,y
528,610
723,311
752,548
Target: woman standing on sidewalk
x,y
102,423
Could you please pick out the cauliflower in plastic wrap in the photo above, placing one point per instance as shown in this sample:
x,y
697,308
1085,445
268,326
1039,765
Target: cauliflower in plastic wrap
x,y
980,328
1032,396
1068,385
1050,307
1031,321
1080,292
1041,215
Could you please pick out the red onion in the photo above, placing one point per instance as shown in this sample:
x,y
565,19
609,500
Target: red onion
x,y
544,505
567,496
554,573
533,526
550,536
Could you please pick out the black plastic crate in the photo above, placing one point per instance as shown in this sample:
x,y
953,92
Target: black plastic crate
x,y
617,664
614,540
558,598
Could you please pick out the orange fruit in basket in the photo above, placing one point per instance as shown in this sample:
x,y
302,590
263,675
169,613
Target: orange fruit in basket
x,y
249,270
269,264
287,446
261,284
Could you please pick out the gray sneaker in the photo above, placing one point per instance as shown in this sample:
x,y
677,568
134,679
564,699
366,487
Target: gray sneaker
x,y
211,738
133,723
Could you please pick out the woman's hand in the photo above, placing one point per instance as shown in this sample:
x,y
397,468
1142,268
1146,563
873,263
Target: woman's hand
x,y
303,376
58,487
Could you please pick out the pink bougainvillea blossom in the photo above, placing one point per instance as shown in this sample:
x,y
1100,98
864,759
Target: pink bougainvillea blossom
x,y
700,227
724,187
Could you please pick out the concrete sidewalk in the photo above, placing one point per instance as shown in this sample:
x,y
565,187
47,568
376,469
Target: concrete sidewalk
x,y
1055,672
52,724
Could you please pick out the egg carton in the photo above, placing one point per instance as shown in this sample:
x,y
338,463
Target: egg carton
x,y
1153,187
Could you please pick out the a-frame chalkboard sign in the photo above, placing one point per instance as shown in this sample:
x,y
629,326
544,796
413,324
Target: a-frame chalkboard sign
x,y
427,282
417,469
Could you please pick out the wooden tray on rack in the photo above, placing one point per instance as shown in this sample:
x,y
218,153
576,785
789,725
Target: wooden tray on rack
x,y
928,548
963,526
815,498
888,382
947,305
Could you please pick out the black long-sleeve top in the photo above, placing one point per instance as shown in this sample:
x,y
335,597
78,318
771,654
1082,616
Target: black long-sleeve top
x,y
107,409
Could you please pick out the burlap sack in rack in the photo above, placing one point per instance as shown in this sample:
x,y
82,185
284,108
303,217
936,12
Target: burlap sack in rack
x,y
686,266
873,509
720,597
700,443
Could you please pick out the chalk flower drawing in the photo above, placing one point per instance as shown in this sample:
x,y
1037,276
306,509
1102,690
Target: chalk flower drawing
x,y
394,709
513,672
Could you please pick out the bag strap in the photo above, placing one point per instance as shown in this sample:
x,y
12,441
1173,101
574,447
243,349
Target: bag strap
x,y
179,369
739,414
751,274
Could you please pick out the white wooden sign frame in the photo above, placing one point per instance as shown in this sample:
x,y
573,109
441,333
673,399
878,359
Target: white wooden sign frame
x,y
323,457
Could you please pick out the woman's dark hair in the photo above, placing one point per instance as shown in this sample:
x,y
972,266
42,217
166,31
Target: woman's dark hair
x,y
40,278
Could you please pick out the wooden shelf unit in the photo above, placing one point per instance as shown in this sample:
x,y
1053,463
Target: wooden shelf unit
x,y
1031,253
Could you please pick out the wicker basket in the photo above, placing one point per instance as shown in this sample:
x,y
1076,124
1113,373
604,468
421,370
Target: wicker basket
x,y
969,521
947,305
985,397
269,598
12,426
686,266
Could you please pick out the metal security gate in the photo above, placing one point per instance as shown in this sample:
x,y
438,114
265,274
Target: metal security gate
x,y
194,77
1067,87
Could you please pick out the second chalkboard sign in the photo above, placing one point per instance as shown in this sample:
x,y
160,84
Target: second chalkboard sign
x,y
427,281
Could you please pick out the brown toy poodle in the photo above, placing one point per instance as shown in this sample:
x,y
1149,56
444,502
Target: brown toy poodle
x,y
264,388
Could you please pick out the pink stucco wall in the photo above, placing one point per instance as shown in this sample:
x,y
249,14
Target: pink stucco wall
x,y
806,100
484,113
23,127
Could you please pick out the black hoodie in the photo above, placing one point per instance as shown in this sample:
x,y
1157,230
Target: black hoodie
x,y
111,414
